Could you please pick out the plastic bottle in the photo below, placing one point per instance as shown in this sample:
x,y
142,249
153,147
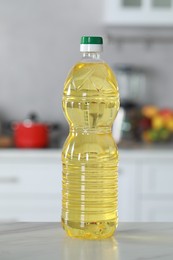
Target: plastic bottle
x,y
90,155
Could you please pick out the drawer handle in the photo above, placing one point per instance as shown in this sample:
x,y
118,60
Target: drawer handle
x,y
9,180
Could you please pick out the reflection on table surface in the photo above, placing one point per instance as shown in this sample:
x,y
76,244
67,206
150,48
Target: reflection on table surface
x,y
132,241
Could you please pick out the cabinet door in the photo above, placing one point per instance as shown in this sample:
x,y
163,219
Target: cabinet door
x,y
139,12
30,178
157,191
24,209
127,191
30,190
157,179
159,211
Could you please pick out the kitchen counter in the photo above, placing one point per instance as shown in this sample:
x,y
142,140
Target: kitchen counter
x,y
132,241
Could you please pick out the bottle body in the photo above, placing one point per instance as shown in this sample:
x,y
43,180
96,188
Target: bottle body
x,y
90,155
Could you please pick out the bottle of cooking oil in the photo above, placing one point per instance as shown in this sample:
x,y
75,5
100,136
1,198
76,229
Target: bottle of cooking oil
x,y
90,156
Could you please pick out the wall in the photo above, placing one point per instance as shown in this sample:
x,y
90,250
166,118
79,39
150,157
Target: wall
x,y
39,42
156,59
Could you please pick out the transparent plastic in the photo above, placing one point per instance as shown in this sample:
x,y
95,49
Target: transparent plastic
x,y
90,155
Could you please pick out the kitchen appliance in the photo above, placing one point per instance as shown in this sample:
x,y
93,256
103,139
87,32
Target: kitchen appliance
x,y
30,133
133,93
132,83
125,125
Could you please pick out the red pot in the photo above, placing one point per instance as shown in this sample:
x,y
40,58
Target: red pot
x,y
30,135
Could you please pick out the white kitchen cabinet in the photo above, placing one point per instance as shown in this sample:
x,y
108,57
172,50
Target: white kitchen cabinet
x,y
29,177
30,185
30,209
157,210
157,178
139,12
127,192
146,185
156,191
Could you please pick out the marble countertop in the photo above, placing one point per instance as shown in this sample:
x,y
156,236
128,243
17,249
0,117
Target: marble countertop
x,y
48,241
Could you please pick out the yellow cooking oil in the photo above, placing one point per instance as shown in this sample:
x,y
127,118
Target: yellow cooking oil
x,y
90,155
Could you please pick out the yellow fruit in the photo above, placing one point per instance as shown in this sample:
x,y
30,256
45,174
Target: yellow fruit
x,y
149,111
157,122
169,125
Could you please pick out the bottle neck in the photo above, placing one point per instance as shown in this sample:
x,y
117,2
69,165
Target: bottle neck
x,y
91,55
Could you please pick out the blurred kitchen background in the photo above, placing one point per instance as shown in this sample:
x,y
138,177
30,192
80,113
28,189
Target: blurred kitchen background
x,y
39,43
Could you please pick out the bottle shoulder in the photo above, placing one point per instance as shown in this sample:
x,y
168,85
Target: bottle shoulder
x,y
90,76
87,63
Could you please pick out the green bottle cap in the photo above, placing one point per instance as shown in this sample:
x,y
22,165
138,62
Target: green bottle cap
x,y
91,40
91,44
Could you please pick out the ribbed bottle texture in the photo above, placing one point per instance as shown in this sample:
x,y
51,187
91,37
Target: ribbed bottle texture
x,y
90,155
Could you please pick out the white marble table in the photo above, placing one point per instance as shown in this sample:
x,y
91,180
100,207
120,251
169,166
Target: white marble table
x,y
47,241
